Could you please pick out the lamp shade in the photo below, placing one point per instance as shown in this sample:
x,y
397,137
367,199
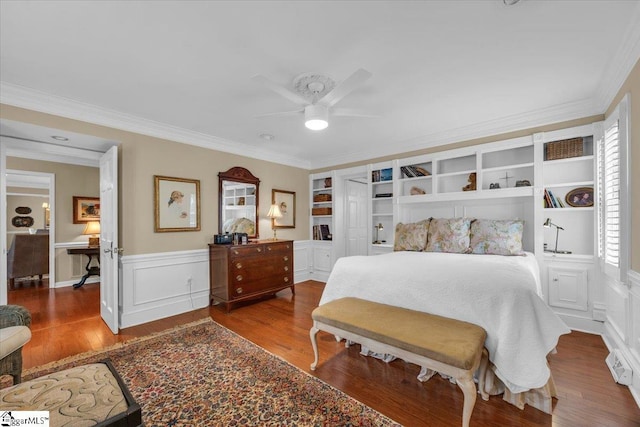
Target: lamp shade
x,y
316,117
274,212
92,227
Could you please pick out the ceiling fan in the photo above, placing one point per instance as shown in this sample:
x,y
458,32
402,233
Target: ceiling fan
x,y
317,93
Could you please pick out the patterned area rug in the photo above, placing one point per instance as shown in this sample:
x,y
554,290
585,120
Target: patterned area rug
x,y
203,374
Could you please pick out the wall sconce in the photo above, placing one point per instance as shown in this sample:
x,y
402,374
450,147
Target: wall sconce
x,y
93,229
548,224
378,228
274,212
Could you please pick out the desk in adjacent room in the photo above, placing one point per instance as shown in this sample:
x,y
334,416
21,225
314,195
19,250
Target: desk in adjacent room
x,y
91,270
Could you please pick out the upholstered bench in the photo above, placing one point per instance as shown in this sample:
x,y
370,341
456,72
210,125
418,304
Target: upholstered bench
x,y
448,346
87,395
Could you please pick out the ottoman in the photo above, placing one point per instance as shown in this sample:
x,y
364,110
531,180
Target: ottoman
x,y
86,395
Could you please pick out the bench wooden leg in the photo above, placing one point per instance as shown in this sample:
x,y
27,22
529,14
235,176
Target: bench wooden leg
x,y
312,334
482,374
469,391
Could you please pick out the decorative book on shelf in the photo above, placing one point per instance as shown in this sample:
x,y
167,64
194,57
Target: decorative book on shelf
x,y
382,175
551,201
379,195
412,171
321,232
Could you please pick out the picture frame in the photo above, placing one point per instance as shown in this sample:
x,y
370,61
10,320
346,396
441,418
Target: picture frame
x,y
86,209
176,204
581,197
286,201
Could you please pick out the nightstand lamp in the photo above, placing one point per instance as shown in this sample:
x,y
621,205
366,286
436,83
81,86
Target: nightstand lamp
x,y
378,228
548,224
274,212
93,230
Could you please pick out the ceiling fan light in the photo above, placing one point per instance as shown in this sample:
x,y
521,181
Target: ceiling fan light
x,y
316,117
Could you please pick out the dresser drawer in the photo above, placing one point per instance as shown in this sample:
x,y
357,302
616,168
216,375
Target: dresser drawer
x,y
248,269
246,251
260,286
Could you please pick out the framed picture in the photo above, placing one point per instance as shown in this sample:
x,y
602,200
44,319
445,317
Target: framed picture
x,y
580,197
286,201
86,209
177,204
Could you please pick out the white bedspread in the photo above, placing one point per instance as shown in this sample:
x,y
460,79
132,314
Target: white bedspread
x,y
499,293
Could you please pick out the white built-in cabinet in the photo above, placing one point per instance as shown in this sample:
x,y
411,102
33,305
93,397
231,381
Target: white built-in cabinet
x,y
322,224
511,178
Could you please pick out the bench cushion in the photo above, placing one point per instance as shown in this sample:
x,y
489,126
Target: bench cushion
x,y
449,341
85,395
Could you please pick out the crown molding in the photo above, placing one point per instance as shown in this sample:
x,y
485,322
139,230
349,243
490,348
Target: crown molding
x,y
620,67
528,120
23,97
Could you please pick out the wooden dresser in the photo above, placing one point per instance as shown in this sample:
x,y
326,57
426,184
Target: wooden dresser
x,y
241,272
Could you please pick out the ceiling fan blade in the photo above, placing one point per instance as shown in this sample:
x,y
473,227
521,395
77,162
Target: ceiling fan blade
x,y
280,90
281,113
344,88
348,112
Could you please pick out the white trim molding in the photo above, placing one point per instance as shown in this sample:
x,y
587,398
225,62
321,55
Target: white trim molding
x,y
24,97
622,329
159,285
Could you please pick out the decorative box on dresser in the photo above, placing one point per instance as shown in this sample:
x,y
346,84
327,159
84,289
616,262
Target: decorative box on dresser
x,y
242,272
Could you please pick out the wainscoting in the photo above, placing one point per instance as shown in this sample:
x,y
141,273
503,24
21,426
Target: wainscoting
x,y
155,286
622,328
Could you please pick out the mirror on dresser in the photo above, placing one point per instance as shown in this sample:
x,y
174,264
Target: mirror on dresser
x,y
238,195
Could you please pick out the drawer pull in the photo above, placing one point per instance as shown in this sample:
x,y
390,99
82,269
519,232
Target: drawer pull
x,y
286,258
259,249
236,252
239,265
239,278
286,268
238,290
269,248
286,280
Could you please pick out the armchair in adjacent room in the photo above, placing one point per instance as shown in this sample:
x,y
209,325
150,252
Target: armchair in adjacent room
x,y
14,334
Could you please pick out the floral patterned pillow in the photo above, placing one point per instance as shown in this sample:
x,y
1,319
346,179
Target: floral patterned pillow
x,y
497,237
412,236
449,235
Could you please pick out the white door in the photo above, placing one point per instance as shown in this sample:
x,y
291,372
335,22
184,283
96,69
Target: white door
x,y
3,226
109,250
356,218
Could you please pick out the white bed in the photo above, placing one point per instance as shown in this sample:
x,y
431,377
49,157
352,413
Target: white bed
x,y
499,293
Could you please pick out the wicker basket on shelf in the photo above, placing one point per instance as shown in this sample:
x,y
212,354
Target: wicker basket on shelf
x,y
564,149
322,198
321,211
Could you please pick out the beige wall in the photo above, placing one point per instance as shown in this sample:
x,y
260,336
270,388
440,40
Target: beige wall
x,y
632,86
141,157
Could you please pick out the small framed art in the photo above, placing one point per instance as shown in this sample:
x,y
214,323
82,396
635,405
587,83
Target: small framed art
x,y
177,204
86,209
286,201
580,197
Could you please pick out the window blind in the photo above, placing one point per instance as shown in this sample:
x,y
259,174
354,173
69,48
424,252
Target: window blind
x,y
611,195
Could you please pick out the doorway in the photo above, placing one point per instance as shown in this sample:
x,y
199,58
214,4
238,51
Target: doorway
x,y
27,144
30,205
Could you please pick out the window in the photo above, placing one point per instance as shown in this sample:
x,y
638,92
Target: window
x,y
612,192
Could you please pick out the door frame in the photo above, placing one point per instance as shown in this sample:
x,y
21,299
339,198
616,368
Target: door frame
x,y
21,148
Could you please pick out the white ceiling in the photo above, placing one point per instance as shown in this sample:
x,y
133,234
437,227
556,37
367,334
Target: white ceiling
x,y
443,71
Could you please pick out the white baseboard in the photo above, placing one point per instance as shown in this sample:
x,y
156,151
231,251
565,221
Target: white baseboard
x,y
582,324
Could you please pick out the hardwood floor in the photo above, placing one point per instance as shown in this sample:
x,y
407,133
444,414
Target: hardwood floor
x,y
588,395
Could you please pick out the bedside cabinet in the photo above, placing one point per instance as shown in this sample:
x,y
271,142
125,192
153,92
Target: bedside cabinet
x,y
242,272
